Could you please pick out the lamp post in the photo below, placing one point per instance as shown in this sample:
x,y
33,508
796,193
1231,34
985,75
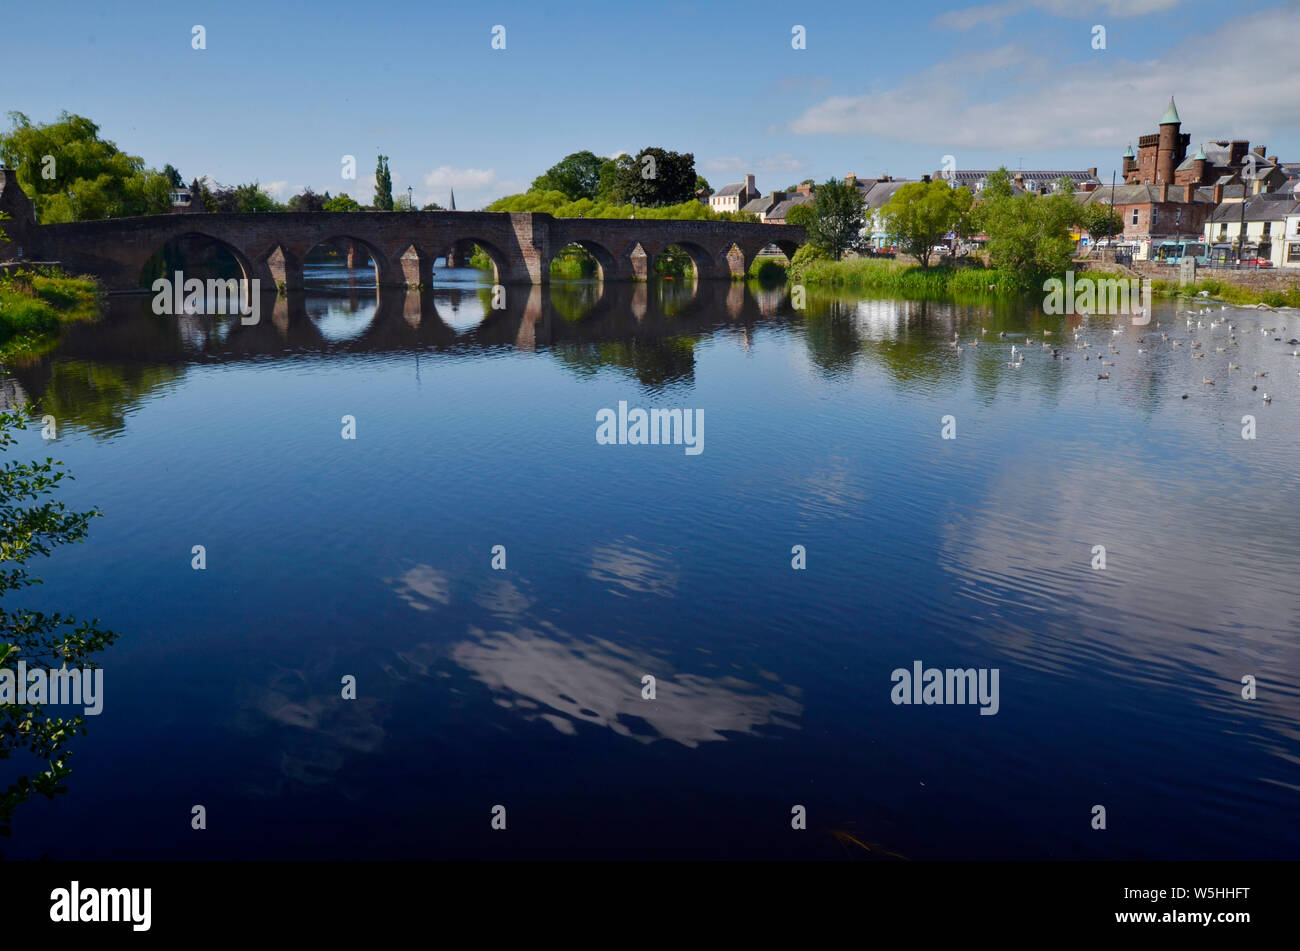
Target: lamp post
x,y
410,200
1241,227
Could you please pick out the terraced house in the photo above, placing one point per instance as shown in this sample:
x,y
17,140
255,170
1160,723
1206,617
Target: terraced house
x,y
1266,221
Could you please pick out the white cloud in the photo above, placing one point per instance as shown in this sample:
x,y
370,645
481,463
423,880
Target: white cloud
x,y
474,187
781,164
996,12
1029,101
281,190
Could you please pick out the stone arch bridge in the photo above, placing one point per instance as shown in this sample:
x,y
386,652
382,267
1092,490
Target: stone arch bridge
x,y
403,246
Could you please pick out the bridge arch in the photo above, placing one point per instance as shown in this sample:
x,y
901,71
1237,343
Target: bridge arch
x,y
166,259
606,264
500,260
386,269
705,262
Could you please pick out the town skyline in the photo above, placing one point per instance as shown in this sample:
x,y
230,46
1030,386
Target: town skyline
x,y
1014,84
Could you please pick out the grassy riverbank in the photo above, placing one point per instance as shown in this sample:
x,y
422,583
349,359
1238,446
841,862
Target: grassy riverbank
x,y
891,277
1218,289
35,303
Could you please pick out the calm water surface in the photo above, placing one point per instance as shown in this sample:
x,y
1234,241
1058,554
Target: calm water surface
x,y
522,687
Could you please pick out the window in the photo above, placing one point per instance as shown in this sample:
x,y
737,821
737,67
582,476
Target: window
x,y
1155,217
1268,228
1135,217
1293,253
1178,218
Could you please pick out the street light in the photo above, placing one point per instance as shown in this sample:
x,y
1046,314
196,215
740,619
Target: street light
x,y
410,201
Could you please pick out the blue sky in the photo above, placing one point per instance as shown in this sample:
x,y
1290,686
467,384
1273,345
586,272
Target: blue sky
x,y
283,92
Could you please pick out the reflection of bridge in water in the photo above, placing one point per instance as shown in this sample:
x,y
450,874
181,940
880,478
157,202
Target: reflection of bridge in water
x,y
648,320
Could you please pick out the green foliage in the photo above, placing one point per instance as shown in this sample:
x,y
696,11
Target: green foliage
x,y
605,186
1029,235
920,213
383,185
805,256
576,176
480,260
1100,221
766,270
801,215
341,202
702,185
33,524
573,263
890,277
838,217
307,200
91,179
35,302
654,177
674,262
555,203
432,206
173,176
236,199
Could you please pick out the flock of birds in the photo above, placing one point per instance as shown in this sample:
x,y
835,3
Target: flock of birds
x,y
1196,338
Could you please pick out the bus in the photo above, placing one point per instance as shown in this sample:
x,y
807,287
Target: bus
x,y
1172,252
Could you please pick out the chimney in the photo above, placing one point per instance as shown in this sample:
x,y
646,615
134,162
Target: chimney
x,y
804,189
1259,150
850,179
1092,172
1189,191
1272,160
749,183
1218,194
1164,192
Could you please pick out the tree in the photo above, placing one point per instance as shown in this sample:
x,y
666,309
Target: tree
x,y
654,177
432,206
837,217
307,200
383,185
341,202
1100,220
239,199
33,524
920,214
801,215
172,175
605,184
702,185
576,175
1029,235
74,175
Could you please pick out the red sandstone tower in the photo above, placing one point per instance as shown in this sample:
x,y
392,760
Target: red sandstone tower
x,y
1167,151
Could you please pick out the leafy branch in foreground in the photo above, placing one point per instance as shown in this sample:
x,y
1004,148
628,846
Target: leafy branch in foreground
x,y
33,524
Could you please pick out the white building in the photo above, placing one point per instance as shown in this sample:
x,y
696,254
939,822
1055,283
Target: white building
x,y
734,197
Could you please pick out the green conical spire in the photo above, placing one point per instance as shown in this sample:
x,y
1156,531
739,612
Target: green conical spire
x,y
1171,114
1128,152
1200,154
